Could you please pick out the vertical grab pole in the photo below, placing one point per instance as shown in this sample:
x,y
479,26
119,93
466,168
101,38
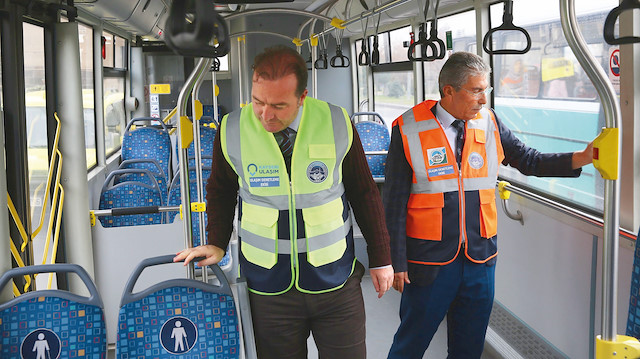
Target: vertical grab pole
x,y
198,155
185,136
612,186
241,50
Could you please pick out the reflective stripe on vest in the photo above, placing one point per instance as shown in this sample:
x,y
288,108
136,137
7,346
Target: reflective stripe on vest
x,y
482,126
315,183
437,215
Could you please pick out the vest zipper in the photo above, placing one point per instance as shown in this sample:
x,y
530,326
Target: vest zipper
x,y
292,227
462,206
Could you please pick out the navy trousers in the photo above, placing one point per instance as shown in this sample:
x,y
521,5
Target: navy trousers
x,y
463,291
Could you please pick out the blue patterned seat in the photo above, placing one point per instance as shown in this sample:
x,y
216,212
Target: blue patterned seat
x,y
175,199
148,142
374,137
178,318
52,323
633,321
149,164
207,135
131,194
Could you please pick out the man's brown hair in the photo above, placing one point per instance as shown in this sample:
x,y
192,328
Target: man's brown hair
x,y
279,61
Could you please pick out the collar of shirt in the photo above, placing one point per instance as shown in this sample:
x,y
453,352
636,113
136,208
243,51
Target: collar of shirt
x,y
444,117
446,120
296,123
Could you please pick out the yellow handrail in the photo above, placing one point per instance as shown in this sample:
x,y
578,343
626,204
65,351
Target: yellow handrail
x,y
168,118
18,222
54,202
56,236
49,176
16,256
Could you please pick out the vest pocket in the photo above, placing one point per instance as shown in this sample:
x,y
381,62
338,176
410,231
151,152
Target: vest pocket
x,y
324,228
424,216
488,213
259,233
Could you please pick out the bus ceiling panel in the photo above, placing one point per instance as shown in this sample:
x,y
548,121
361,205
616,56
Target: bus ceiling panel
x,y
411,9
142,17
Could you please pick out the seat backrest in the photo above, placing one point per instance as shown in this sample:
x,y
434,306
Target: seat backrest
x,y
207,135
178,316
148,142
149,164
175,199
52,323
374,137
130,194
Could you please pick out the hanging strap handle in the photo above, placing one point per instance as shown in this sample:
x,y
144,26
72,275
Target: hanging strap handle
x,y
344,61
322,62
375,53
610,22
507,25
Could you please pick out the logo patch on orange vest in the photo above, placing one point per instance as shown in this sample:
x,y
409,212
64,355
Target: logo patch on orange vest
x,y
437,156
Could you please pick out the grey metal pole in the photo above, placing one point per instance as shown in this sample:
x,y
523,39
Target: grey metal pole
x,y
5,249
181,110
612,115
75,214
196,147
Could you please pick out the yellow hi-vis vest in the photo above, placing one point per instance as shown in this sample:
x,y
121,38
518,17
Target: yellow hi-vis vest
x,y
293,230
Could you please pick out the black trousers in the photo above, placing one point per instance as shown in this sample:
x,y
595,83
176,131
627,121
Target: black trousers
x,y
282,323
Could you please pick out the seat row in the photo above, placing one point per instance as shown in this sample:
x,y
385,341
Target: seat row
x,y
166,320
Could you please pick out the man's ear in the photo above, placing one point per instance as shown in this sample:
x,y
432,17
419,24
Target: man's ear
x,y
303,96
448,91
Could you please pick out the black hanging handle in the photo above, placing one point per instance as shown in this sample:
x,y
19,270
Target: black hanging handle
x,y
610,22
192,39
507,25
375,53
344,61
422,41
363,57
321,61
435,44
309,62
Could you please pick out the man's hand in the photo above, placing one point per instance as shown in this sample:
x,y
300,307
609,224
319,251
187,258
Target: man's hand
x,y
582,158
399,279
211,253
382,279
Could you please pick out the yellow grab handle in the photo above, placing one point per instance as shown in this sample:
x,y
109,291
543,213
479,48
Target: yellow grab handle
x,y
605,153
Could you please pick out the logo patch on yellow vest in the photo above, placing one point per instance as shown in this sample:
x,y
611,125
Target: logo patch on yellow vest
x,y
317,172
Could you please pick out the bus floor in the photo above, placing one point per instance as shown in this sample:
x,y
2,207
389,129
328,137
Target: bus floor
x,y
382,323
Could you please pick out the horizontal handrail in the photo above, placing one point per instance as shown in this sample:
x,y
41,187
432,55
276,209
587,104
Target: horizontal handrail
x,y
581,215
133,210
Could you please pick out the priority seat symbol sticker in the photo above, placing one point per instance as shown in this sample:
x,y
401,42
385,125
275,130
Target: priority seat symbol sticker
x,y
178,335
41,344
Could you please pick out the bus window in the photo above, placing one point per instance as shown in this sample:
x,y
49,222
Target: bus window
x,y
114,71
397,38
85,34
463,34
36,116
545,97
361,73
393,90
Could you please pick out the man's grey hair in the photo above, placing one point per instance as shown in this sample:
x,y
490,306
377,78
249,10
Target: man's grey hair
x,y
459,67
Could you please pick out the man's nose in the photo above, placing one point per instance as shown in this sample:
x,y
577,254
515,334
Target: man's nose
x,y
266,113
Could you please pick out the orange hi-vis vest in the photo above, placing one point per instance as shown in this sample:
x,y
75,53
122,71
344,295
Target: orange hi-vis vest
x,y
448,205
